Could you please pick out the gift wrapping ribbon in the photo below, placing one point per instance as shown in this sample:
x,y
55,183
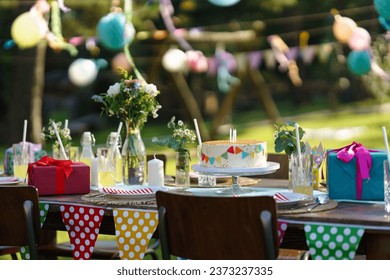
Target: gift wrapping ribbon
x,y
63,170
363,163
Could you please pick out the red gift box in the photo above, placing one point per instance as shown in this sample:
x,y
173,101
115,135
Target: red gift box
x,y
56,177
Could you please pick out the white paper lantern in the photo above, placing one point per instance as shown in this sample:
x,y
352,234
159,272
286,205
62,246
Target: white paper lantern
x,y
343,28
360,39
224,3
175,60
27,29
82,72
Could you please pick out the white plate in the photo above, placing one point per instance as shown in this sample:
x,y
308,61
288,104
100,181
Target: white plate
x,y
133,192
8,180
283,198
270,167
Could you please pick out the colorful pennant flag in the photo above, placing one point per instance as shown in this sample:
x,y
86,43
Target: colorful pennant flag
x,y
134,229
282,227
82,224
330,242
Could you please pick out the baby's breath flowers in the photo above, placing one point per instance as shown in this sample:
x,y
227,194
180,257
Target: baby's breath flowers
x,y
131,100
48,134
180,140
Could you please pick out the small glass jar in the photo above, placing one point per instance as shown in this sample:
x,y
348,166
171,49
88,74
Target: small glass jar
x,y
182,178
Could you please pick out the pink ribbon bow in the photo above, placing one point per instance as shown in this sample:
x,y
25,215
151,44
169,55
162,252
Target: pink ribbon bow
x,y
363,163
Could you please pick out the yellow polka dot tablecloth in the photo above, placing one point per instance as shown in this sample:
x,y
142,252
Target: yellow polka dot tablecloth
x,y
331,242
133,230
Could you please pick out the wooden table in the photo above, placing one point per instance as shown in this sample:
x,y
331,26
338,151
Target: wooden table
x,y
371,216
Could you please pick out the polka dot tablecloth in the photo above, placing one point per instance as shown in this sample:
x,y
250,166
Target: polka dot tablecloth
x,y
82,224
133,230
329,242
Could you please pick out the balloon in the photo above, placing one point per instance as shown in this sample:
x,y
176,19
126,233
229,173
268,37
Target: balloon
x,y
359,62
385,23
224,3
27,30
113,32
360,39
383,8
82,72
343,28
197,61
120,61
174,60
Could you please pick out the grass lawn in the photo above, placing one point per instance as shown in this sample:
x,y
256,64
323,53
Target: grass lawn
x,y
356,122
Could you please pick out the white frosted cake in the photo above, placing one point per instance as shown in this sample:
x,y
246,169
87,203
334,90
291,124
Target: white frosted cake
x,y
239,154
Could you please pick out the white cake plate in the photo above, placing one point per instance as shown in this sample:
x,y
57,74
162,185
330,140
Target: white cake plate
x,y
270,167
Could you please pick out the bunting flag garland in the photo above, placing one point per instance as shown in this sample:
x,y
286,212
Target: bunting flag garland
x,y
330,242
234,151
282,227
133,230
82,224
43,209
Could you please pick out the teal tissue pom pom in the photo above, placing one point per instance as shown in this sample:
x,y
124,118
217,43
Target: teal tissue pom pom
x,y
111,31
383,8
359,62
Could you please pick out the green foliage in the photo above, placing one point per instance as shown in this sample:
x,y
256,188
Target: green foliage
x,y
181,138
285,137
131,100
49,136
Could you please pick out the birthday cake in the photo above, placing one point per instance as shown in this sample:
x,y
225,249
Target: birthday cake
x,y
238,154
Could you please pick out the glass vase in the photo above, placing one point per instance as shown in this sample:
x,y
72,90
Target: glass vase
x,y
133,157
182,178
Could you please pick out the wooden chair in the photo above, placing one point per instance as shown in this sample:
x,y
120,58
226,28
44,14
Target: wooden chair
x,y
200,227
19,217
282,172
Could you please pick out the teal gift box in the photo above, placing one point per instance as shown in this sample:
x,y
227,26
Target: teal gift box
x,y
341,178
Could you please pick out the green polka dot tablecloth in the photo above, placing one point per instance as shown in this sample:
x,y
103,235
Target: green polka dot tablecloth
x,y
331,242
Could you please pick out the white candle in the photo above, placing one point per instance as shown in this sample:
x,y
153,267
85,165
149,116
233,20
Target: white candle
x,y
94,171
155,172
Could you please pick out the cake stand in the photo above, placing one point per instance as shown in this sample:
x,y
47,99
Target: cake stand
x,y
235,173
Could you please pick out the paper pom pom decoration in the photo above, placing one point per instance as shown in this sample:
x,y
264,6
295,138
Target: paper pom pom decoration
x,y
343,28
82,72
113,32
360,39
120,61
27,30
224,3
383,8
359,62
197,61
174,60
385,23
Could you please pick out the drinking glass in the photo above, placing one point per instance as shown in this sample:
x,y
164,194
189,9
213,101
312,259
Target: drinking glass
x,y
386,185
106,167
301,173
21,153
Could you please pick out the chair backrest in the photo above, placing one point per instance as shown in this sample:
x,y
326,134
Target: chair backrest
x,y
200,227
282,172
19,217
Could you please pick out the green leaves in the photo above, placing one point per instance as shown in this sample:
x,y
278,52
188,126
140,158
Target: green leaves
x,y
285,137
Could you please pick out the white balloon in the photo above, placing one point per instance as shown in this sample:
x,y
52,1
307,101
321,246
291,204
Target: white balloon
x,y
175,60
82,72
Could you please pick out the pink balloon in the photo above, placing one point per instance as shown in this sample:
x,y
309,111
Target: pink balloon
x,y
360,39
